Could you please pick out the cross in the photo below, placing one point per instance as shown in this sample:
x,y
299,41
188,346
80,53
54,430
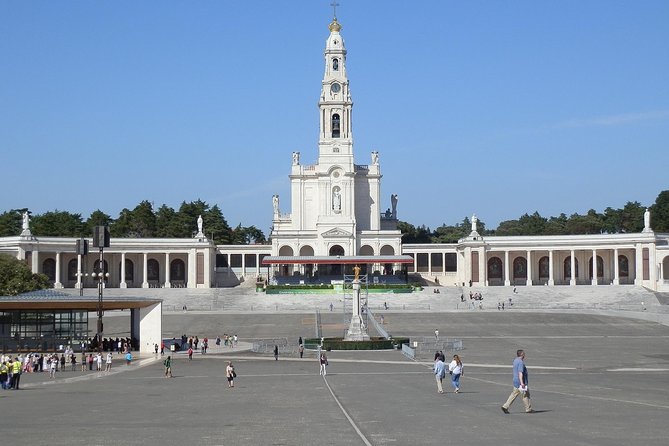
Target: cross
x,y
334,5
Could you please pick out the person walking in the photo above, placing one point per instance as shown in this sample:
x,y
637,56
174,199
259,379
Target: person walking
x,y
276,352
230,374
190,353
455,369
301,350
439,373
436,334
323,360
168,366
520,382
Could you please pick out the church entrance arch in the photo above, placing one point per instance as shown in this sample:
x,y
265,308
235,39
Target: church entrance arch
x,y
665,268
544,269
178,272
335,270
495,276
520,269
308,251
287,251
49,269
387,250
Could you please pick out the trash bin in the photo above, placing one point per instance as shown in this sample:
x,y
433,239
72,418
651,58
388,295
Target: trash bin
x,y
173,348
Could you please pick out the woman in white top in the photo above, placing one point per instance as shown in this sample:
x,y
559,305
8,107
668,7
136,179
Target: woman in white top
x,y
455,369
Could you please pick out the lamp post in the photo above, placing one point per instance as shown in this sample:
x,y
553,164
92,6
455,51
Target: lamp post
x,y
100,240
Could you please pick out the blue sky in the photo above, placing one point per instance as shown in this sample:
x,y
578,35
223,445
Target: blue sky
x,y
490,107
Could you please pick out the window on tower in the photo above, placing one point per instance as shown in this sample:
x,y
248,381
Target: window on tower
x,y
335,126
335,64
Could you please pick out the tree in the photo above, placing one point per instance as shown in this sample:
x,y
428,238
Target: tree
x,y
97,218
10,223
16,277
631,217
591,223
247,235
58,224
411,234
166,222
659,213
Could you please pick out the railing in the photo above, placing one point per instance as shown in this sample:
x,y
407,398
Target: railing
x,y
379,328
408,351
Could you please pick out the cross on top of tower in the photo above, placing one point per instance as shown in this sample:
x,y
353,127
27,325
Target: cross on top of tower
x,y
334,5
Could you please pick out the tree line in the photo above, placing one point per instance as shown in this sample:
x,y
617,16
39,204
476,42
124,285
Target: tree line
x,y
145,222
628,219
140,222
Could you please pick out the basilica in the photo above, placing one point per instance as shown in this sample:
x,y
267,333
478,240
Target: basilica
x,y
336,218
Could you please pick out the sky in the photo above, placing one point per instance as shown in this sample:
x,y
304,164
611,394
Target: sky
x,y
497,108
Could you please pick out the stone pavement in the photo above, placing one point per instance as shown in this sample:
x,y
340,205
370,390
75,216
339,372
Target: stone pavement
x,y
595,380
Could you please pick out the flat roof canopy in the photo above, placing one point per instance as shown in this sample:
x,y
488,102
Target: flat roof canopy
x,y
55,300
333,260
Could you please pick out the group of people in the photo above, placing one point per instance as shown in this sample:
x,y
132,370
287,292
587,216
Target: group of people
x,y
12,368
455,369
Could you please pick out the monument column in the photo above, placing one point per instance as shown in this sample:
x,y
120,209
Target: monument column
x,y
57,282
594,267
616,268
145,274
551,280
507,280
168,282
572,278
529,268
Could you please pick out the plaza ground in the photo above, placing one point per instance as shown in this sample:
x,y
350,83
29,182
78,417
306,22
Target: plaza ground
x,y
595,379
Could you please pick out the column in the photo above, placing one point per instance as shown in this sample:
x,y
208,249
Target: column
x,y
145,274
79,277
594,267
507,280
529,268
616,268
638,265
168,282
652,267
429,263
192,269
572,280
244,265
35,261
58,283
123,284
258,264
551,280
483,270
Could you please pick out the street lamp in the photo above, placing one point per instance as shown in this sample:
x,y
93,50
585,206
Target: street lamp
x,y
100,240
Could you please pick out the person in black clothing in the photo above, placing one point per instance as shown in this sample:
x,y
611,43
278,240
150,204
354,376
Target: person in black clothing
x,y
276,352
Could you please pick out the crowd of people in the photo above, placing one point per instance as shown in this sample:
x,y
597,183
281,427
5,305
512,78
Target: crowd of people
x,y
11,368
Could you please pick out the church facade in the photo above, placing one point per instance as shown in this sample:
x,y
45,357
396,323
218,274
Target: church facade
x,y
336,210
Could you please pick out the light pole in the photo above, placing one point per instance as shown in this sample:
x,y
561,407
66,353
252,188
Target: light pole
x,y
100,240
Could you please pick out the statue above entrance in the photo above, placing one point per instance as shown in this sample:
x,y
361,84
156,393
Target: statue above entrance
x,y
474,223
646,221
296,158
393,203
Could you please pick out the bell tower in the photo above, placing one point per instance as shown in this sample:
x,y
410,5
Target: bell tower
x,y
335,142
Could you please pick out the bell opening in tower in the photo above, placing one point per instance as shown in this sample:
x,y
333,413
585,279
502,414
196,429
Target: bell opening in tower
x,y
335,126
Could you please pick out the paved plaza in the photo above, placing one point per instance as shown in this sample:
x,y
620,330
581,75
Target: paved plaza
x,y
595,379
